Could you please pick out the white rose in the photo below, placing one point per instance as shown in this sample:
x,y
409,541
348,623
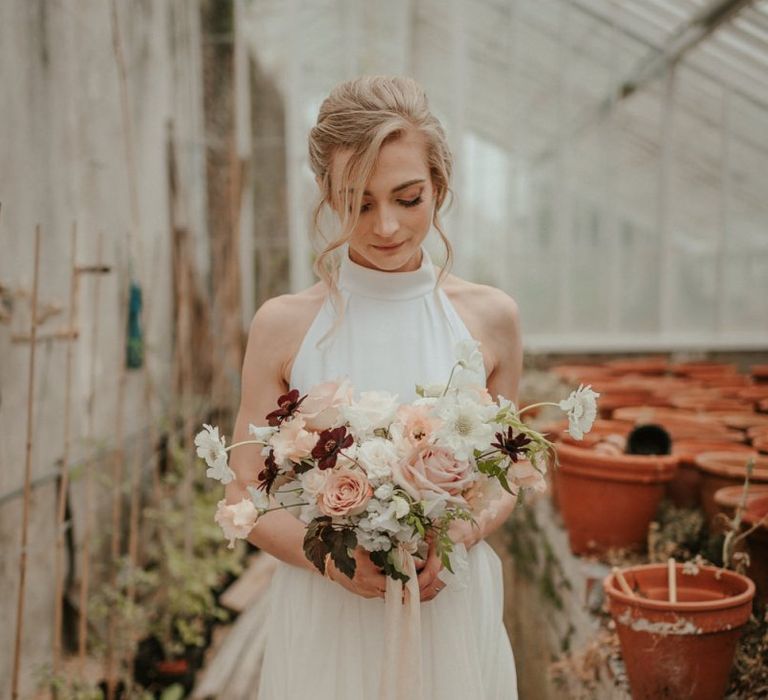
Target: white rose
x,y
377,457
374,409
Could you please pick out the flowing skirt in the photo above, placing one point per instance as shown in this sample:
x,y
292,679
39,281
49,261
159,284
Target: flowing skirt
x,y
325,643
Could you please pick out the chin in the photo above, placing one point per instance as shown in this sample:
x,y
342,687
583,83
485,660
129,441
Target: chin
x,y
391,261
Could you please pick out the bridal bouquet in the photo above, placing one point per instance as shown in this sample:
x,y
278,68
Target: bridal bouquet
x,y
367,471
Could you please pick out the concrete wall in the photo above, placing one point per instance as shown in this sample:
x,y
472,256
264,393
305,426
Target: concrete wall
x,y
63,155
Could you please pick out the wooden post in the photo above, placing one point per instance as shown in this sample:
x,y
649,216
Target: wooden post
x,y
82,637
27,475
64,469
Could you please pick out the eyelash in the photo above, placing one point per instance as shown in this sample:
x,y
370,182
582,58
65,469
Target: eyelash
x,y
408,204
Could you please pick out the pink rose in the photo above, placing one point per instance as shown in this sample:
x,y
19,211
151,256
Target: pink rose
x,y
236,520
430,471
418,423
320,409
345,492
292,442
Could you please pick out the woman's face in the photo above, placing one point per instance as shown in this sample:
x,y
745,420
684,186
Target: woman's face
x,y
397,207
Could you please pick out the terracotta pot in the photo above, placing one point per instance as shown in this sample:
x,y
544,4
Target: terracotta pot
x,y
742,420
757,431
728,498
651,365
684,649
759,373
679,424
709,404
720,469
724,381
581,373
685,489
762,405
753,393
757,543
703,367
761,444
608,501
600,428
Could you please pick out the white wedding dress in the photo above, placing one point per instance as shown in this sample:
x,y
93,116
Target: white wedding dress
x,y
323,642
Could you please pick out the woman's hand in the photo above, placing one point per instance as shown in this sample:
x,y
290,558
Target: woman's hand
x,y
465,532
368,581
429,583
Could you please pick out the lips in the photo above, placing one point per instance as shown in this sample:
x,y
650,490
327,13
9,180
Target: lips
x,y
389,247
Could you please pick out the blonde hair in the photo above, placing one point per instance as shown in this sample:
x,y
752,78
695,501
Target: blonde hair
x,y
361,115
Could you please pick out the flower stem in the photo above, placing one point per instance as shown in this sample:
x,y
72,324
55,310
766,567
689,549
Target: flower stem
x,y
536,405
244,442
450,378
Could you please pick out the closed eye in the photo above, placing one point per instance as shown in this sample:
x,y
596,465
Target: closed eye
x,y
403,202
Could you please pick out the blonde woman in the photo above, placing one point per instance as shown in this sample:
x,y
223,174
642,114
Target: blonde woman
x,y
383,315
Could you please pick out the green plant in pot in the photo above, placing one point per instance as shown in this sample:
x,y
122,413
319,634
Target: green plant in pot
x,y
189,564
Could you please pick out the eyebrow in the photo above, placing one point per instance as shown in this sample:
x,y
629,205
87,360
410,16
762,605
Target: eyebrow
x,y
399,187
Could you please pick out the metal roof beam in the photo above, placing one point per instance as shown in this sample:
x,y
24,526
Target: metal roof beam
x,y
689,35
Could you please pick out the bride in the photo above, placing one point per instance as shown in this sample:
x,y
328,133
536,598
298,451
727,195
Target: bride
x,y
385,317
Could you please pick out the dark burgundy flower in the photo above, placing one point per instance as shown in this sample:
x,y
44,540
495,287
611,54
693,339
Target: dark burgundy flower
x,y
288,405
328,446
511,445
270,472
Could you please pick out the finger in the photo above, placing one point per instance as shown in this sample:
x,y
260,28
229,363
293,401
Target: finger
x,y
429,572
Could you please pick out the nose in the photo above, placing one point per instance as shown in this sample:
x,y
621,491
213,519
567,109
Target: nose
x,y
385,222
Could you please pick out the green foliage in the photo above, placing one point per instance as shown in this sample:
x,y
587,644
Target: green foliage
x,y
385,561
187,559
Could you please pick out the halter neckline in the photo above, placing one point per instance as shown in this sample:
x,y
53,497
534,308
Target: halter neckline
x,y
379,284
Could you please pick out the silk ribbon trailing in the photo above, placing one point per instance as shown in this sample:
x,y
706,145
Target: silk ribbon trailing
x,y
401,670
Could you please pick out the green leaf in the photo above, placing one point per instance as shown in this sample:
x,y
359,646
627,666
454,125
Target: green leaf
x,y
341,543
384,561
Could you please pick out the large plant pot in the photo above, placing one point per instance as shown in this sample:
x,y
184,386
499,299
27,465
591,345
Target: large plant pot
x,y
728,498
685,489
757,543
680,650
680,424
719,469
608,501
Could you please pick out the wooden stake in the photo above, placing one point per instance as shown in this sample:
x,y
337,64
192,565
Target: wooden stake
x,y
82,635
118,464
619,576
27,476
64,470
672,580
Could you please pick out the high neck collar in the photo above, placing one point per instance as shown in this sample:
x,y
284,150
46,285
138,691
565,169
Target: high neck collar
x,y
368,282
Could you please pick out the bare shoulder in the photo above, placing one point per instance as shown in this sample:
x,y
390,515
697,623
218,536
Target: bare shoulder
x,y
486,306
279,325
493,318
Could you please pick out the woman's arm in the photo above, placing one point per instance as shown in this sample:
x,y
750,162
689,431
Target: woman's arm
x,y
271,340
278,533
